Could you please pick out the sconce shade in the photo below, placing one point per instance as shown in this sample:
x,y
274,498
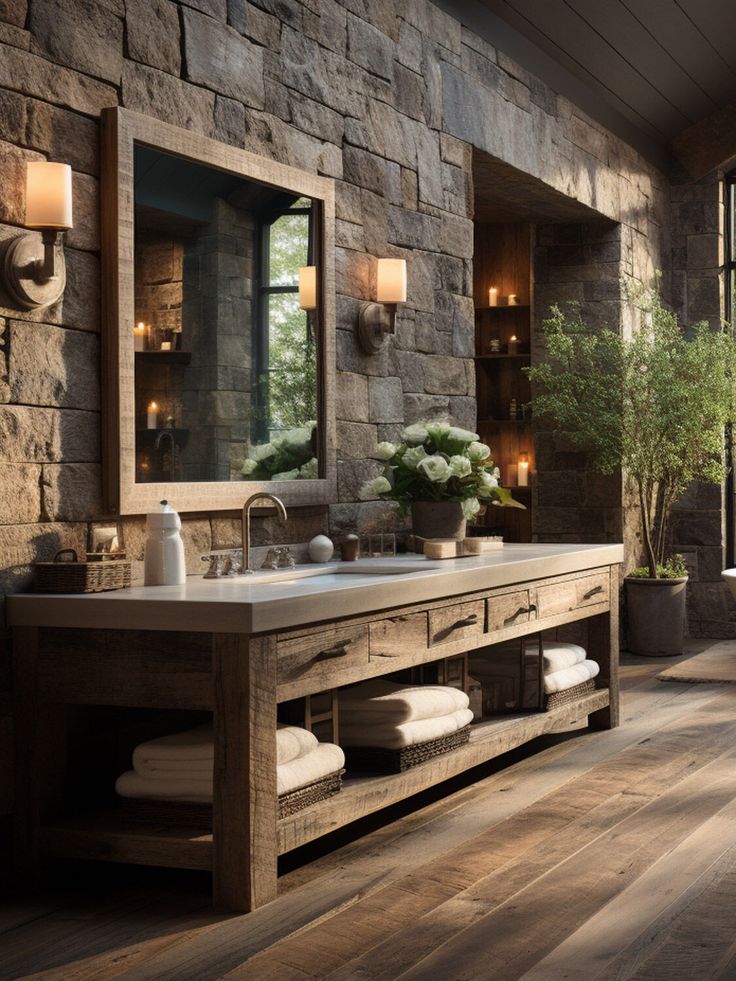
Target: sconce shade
x,y
391,281
48,195
308,287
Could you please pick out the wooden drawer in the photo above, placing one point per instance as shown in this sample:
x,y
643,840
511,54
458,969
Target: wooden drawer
x,y
562,597
318,659
398,635
510,610
450,624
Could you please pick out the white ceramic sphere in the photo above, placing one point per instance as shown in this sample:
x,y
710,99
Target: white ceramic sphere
x,y
320,549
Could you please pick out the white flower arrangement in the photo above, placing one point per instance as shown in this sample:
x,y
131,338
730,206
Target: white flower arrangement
x,y
289,456
438,462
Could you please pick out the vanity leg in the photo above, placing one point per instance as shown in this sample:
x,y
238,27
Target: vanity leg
x,y
245,803
603,647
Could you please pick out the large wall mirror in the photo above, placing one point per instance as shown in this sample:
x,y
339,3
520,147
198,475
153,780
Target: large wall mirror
x,y
219,334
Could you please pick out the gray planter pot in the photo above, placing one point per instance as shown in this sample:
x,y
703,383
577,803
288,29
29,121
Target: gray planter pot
x,y
655,611
437,519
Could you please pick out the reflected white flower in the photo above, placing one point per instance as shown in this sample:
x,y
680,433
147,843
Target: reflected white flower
x,y
287,475
477,452
488,483
262,452
471,507
435,468
248,467
460,466
309,470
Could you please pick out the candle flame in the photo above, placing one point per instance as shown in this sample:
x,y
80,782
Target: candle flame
x,y
153,407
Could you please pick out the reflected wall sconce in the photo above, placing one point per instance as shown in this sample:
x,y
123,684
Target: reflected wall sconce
x,y
375,320
308,287
34,271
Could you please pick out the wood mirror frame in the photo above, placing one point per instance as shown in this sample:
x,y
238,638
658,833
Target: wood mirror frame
x,y
121,130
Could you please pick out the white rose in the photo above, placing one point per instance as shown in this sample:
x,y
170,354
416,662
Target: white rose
x,y
373,488
471,506
477,452
435,468
438,430
462,435
415,435
262,452
248,467
412,457
385,450
488,483
460,466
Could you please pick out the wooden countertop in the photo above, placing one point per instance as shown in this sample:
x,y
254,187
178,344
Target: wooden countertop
x,y
265,602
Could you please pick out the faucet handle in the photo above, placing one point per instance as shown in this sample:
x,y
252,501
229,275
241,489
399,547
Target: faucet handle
x,y
285,558
272,560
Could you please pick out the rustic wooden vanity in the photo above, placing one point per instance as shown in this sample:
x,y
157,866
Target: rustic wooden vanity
x,y
239,647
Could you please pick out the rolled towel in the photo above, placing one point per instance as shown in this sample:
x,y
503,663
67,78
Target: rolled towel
x,y
192,753
386,701
320,762
569,677
387,736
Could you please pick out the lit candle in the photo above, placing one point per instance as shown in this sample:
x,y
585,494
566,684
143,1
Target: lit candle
x,y
523,472
165,345
152,415
513,300
513,345
139,336
493,297
308,287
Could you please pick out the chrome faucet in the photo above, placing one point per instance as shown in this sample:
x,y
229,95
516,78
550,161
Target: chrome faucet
x,y
260,496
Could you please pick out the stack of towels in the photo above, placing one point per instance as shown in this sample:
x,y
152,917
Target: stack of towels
x,y
387,715
565,665
180,767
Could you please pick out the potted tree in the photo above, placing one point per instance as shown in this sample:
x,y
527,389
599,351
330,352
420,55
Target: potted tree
x,y
653,405
441,473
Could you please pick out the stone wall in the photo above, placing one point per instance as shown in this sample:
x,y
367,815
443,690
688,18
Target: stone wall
x,y
385,97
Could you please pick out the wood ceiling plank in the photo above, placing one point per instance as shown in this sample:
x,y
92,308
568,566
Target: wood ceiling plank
x,y
716,19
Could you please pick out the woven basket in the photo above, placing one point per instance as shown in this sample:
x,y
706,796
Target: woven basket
x,y
380,760
66,574
559,698
191,815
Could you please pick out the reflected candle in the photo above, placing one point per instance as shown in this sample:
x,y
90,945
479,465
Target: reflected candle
x,y
152,415
493,297
513,345
523,471
139,336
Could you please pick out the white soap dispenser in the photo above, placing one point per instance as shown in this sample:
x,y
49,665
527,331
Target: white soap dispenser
x,y
164,563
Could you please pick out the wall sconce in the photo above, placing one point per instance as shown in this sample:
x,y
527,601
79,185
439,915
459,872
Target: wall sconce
x,y
308,287
375,320
31,280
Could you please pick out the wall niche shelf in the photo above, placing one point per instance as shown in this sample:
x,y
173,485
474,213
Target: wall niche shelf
x,y
503,259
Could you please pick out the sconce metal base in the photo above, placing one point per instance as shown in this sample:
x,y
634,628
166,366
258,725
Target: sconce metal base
x,y
34,271
375,321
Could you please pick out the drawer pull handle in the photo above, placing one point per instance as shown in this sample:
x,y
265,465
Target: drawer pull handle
x,y
339,650
593,592
532,608
466,621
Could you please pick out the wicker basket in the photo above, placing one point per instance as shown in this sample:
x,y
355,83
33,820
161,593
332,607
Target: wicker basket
x,y
380,760
66,574
190,815
560,698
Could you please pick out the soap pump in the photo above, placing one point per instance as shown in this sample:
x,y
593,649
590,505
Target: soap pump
x,y
164,563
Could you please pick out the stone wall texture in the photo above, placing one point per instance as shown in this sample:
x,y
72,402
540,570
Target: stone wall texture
x,y
387,97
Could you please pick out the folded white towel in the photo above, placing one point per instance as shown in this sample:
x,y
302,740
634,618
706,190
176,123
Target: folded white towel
x,y
320,762
387,736
192,752
568,677
557,655
379,700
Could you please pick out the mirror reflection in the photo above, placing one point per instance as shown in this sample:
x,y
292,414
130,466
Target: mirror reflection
x,y
225,344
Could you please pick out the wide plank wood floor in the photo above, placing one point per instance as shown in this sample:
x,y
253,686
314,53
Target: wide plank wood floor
x,y
590,855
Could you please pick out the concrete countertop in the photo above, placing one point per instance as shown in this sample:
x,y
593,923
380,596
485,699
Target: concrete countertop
x,y
265,602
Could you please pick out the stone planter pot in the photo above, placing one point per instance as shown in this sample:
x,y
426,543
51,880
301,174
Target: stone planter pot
x,y
438,519
655,611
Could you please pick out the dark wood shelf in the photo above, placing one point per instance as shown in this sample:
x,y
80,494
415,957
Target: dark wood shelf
x,y
500,356
164,357
516,306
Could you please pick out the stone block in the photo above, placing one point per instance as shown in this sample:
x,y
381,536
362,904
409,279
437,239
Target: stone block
x,y
13,166
80,305
52,366
32,434
356,439
351,396
72,491
65,136
320,74
316,119
158,94
327,25
703,298
13,113
352,474
86,232
409,366
413,230
221,59
197,537
385,398
703,252
25,72
152,31
213,8
85,35
364,169
20,500
13,12
24,544
350,357
425,407
464,412
348,202
445,376
409,189
409,47
370,48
